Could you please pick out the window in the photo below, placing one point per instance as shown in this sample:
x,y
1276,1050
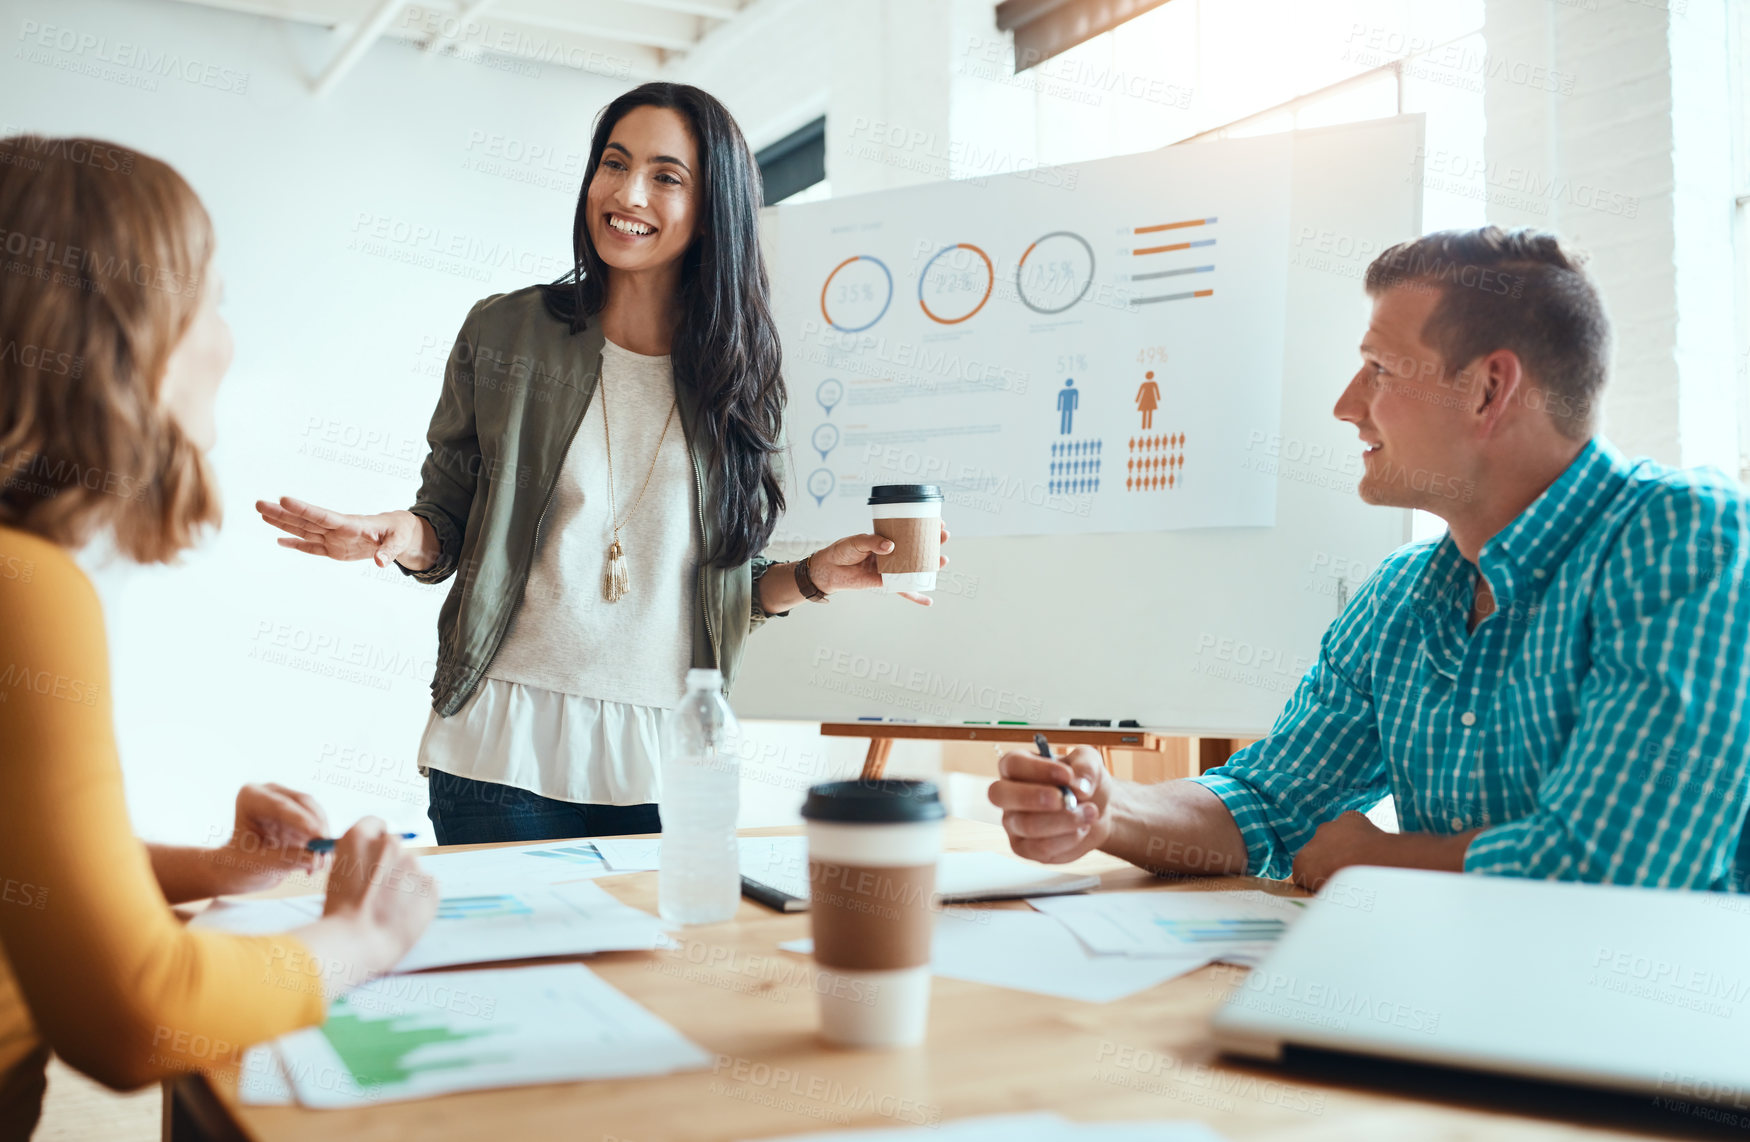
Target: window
x,y
1738,61
1193,69
1045,28
793,169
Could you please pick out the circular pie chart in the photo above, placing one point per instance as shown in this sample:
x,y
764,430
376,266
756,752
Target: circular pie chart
x,y
1062,269
955,283
857,293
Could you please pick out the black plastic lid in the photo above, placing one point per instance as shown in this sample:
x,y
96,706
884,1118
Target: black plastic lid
x,y
883,802
904,493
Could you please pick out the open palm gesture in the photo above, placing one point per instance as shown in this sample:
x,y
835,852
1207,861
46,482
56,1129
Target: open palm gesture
x,y
319,531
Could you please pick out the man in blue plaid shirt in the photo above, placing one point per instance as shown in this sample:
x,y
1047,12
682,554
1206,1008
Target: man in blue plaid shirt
x,y
1556,688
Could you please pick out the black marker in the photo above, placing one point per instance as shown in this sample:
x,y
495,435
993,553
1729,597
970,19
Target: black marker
x,y
1044,748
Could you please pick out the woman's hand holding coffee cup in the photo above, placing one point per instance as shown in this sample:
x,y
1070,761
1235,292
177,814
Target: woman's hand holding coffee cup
x,y
1028,791
849,564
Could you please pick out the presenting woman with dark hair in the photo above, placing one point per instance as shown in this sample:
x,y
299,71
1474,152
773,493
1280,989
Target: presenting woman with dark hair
x,y
602,478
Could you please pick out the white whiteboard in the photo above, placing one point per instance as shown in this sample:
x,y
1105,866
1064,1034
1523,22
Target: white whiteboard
x,y
1202,630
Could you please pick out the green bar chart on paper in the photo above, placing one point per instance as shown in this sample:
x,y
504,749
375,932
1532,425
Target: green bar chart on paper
x,y
418,1036
385,1049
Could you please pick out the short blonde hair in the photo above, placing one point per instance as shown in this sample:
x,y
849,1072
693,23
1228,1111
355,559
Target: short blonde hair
x,y
103,254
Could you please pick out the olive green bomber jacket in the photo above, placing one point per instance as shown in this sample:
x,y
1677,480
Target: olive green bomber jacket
x,y
515,390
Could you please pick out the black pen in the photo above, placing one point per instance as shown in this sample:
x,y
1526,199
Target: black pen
x,y
326,844
1044,748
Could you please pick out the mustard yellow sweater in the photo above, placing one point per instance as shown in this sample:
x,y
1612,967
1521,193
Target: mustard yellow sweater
x,y
93,964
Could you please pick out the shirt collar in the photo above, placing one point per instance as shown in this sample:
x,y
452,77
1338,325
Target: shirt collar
x,y
1524,555
1444,599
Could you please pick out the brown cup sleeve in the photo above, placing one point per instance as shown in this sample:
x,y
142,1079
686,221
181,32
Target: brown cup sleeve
x,y
917,545
871,918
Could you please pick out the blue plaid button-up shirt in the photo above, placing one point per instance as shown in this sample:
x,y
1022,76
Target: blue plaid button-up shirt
x,y
1594,726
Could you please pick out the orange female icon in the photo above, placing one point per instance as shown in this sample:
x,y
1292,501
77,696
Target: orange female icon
x,y
1148,398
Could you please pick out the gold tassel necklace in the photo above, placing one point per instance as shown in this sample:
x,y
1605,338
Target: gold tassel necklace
x,y
615,581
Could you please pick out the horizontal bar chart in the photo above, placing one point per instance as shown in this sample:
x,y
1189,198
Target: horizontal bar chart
x,y
1174,246
1171,273
1173,226
1172,296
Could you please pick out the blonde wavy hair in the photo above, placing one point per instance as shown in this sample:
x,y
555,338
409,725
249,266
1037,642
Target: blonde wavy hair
x,y
103,256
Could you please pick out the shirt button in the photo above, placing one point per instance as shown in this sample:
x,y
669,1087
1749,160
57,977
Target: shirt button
x,y
1458,824
1468,718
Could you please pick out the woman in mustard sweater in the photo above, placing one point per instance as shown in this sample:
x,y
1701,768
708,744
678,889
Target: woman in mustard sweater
x,y
111,352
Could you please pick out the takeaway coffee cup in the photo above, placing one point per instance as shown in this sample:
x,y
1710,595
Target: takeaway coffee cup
x,y
911,516
872,850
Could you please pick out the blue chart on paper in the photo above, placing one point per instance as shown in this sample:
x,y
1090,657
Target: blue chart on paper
x,y
1216,931
477,907
573,854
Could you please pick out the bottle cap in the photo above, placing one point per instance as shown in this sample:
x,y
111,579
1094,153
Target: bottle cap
x,y
699,677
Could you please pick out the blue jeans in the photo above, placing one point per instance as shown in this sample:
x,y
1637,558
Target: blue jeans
x,y
469,812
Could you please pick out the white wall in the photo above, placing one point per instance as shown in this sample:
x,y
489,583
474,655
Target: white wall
x,y
773,66
355,232
1630,158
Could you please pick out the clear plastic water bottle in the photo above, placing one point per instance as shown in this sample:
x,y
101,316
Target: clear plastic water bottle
x,y
700,878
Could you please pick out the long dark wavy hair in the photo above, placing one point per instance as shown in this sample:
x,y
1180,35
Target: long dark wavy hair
x,y
726,345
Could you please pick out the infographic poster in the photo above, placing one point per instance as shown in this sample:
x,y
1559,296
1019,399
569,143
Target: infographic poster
x,y
1088,348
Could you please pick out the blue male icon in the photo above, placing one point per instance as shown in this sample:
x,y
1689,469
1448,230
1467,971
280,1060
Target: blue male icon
x,y
1067,399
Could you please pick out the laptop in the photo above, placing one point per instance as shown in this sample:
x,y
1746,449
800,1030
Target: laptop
x,y
1631,989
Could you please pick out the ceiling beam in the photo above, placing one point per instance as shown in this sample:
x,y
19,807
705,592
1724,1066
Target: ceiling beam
x,y
488,31
324,13
367,34
448,36
506,34
714,9
668,33
621,20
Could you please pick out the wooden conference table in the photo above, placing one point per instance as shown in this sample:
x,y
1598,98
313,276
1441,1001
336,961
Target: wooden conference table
x,y
989,1050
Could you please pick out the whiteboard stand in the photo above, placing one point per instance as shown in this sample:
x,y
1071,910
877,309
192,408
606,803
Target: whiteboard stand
x,y
1174,753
